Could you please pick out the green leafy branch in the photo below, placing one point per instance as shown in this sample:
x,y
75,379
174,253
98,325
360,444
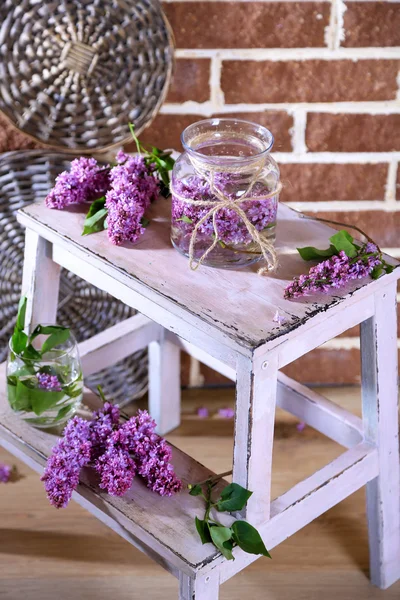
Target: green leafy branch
x,y
156,160
232,498
21,343
342,241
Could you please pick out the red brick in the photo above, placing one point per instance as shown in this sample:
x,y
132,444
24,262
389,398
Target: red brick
x,y
372,24
12,139
323,366
309,81
190,80
325,182
383,227
165,130
353,132
248,24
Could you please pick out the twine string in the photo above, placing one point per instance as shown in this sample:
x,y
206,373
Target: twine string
x,y
208,174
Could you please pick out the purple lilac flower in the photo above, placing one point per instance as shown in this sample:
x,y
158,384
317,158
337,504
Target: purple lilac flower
x,y
104,422
48,382
86,181
5,473
135,448
230,226
202,412
226,413
133,188
335,272
69,455
280,319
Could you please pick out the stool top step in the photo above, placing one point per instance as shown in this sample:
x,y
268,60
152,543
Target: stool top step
x,y
162,527
238,304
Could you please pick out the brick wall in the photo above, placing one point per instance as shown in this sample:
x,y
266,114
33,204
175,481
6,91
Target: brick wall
x,y
324,77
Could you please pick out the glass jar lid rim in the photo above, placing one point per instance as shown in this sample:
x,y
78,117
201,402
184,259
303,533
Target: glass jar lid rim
x,y
266,137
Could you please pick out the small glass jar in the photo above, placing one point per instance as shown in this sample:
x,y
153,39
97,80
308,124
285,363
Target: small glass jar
x,y
46,390
225,171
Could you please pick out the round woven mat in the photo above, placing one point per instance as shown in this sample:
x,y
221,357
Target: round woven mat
x,y
74,73
26,177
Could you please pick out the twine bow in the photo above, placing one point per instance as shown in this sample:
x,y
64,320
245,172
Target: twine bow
x,y
267,248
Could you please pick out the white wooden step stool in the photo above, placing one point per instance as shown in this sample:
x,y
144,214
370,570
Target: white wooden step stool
x,y
225,319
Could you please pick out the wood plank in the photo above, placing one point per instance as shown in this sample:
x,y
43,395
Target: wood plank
x,y
320,413
165,384
380,415
40,281
117,342
306,501
166,525
307,405
153,266
256,388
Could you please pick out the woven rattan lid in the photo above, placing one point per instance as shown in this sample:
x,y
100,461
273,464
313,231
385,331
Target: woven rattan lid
x,y
73,73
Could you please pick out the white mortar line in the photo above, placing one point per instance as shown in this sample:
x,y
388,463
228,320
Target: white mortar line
x,y
398,86
280,54
345,343
388,107
298,131
395,252
217,96
336,157
344,206
390,195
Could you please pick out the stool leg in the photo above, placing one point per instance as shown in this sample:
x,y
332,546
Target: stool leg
x,y
164,384
199,588
40,280
254,433
380,414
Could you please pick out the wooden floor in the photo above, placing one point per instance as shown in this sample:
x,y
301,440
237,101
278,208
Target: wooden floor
x,y
47,554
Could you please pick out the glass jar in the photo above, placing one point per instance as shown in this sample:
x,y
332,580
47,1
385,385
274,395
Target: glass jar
x,y
45,390
225,177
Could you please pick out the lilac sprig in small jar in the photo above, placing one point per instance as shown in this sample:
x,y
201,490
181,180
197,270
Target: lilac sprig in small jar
x,y
225,191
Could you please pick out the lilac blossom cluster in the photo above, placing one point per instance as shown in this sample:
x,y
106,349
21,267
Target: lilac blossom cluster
x,y
117,451
48,382
335,272
84,182
230,226
133,188
5,473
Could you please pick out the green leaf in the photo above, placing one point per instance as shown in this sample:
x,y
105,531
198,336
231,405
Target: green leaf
x,y
248,538
94,220
73,390
185,219
144,222
62,412
342,240
311,253
203,531
55,339
220,536
195,490
20,324
41,400
46,330
30,353
233,497
388,268
377,272
18,341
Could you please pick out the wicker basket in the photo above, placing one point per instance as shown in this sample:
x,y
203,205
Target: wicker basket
x,y
26,177
74,73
